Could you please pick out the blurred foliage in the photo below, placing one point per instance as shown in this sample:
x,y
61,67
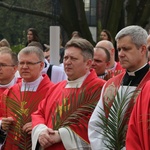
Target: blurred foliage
x,y
70,15
14,25
17,48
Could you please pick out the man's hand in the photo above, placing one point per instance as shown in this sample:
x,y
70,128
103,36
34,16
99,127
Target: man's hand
x,y
49,137
27,127
6,123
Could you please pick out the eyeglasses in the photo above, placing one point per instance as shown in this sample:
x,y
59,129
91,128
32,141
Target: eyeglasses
x,y
2,65
29,64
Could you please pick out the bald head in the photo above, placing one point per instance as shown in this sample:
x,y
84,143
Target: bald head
x,y
106,44
109,46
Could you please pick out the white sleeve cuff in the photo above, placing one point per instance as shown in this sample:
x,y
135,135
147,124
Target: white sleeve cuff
x,y
35,134
67,138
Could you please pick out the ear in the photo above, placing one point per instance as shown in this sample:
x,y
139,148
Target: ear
x,y
112,52
143,49
15,68
42,65
89,63
107,65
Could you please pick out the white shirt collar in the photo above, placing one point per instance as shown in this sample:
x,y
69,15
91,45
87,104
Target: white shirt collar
x,y
31,86
11,83
76,83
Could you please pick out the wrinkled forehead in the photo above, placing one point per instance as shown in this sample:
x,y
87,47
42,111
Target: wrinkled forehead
x,y
27,56
72,51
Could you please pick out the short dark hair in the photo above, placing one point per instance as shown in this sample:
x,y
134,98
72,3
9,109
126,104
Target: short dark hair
x,y
106,52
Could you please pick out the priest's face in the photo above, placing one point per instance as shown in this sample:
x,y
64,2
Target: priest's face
x,y
7,68
130,56
75,65
100,62
29,66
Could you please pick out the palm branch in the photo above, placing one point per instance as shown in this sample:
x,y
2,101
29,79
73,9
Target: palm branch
x,y
20,108
76,109
115,126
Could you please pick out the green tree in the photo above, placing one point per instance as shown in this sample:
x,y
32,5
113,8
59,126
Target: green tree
x,y
112,15
116,14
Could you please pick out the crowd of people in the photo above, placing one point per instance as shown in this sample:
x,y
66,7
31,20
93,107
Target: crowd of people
x,y
89,102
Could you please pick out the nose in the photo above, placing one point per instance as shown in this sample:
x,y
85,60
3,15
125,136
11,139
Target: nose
x,y
120,53
24,65
67,61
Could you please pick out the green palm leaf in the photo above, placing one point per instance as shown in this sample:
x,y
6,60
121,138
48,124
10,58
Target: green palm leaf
x,y
114,127
76,109
20,108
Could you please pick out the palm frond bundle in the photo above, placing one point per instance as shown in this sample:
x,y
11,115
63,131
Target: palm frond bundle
x,y
114,126
20,108
76,109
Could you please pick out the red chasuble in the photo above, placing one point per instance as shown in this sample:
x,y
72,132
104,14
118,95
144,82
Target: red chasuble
x,y
59,94
25,100
138,134
1,92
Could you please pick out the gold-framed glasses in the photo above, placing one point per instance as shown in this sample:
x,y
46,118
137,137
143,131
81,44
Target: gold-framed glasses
x,y
29,64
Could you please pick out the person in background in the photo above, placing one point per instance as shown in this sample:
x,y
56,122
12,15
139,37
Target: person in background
x,y
101,61
4,43
106,35
32,36
114,67
76,34
138,133
47,52
27,94
132,52
82,81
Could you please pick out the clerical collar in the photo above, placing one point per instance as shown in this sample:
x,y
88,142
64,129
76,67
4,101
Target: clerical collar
x,y
138,76
31,86
134,72
76,83
12,82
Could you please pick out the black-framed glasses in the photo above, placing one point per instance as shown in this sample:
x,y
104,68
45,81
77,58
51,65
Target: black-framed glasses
x,y
3,65
29,64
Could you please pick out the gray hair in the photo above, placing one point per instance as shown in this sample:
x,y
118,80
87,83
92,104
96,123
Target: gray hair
x,y
32,49
137,34
85,46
